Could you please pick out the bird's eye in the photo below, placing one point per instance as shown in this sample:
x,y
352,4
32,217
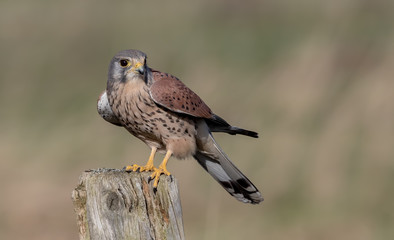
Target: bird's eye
x,y
124,63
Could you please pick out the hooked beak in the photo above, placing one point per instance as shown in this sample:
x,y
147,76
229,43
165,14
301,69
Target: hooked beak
x,y
138,68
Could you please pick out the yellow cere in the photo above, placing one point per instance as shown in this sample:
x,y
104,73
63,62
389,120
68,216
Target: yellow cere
x,y
138,65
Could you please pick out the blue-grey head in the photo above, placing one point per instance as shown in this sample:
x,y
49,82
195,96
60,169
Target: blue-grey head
x,y
127,65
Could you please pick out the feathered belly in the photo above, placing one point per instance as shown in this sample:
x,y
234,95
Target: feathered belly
x,y
156,126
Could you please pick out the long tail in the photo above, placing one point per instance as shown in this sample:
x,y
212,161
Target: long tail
x,y
217,164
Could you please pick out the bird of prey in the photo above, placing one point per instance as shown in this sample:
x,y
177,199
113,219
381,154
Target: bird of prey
x,y
170,118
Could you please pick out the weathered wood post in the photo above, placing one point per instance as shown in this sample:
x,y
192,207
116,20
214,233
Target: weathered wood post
x,y
114,204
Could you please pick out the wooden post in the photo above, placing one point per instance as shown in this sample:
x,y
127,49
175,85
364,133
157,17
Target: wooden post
x,y
114,204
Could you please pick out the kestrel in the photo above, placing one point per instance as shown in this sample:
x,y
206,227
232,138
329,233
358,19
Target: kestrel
x,y
170,118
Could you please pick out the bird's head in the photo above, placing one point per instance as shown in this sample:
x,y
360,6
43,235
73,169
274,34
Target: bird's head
x,y
127,65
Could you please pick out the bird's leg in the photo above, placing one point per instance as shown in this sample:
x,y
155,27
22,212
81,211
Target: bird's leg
x,y
162,169
149,165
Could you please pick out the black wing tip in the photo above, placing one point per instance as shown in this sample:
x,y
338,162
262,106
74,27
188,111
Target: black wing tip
x,y
218,124
236,130
253,134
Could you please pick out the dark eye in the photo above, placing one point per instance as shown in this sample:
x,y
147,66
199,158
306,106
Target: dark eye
x,y
124,62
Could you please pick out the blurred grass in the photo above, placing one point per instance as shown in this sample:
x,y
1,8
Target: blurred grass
x,y
315,79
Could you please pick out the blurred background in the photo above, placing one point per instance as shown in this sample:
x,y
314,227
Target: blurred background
x,y
314,78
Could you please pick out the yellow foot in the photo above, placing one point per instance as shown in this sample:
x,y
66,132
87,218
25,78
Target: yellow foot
x,y
156,174
133,168
147,168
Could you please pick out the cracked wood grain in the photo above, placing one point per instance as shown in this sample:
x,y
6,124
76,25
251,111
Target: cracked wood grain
x,y
114,204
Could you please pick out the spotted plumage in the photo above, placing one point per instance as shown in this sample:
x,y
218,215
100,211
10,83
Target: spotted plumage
x,y
161,111
170,92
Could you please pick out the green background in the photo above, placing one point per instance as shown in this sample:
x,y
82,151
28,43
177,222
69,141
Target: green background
x,y
314,78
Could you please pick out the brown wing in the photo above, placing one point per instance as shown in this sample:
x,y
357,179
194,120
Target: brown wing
x,y
169,92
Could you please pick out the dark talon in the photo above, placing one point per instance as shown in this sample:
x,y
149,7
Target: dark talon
x,y
124,169
154,190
